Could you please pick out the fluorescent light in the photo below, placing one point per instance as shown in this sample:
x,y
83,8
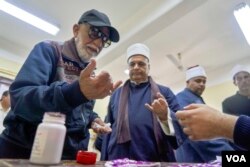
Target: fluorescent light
x,y
28,18
242,15
126,72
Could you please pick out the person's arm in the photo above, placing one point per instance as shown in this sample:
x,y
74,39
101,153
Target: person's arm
x,y
225,125
93,120
173,106
241,134
33,90
167,125
160,108
201,122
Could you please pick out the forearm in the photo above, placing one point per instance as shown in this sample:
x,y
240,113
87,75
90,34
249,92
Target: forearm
x,y
225,126
167,125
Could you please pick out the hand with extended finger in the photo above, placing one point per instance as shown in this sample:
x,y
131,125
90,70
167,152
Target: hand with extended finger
x,y
96,87
159,106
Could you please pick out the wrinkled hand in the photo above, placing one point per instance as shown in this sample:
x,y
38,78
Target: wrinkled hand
x,y
96,87
100,127
159,106
200,121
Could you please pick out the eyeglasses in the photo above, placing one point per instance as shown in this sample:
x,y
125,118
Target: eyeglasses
x,y
95,33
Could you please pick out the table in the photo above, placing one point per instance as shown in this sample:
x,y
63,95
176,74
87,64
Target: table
x,y
26,163
72,163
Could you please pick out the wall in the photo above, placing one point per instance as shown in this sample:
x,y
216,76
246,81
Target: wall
x,y
101,107
214,95
8,68
8,71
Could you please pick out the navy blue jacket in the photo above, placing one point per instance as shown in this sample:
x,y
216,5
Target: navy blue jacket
x,y
48,81
241,135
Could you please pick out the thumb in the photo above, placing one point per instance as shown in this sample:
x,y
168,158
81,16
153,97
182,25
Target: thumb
x,y
181,114
89,68
148,107
191,106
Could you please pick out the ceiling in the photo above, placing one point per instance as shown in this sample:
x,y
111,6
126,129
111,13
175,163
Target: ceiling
x,y
202,32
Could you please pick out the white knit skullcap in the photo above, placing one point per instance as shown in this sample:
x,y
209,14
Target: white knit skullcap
x,y
138,48
238,68
196,71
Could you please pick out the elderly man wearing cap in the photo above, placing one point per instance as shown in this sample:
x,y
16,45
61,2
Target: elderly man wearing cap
x,y
136,131
200,151
239,104
58,76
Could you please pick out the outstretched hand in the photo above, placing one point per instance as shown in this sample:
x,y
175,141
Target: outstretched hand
x,y
159,106
200,121
96,87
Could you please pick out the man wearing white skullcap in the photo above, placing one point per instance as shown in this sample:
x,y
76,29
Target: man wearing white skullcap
x,y
202,151
196,81
195,71
136,49
236,128
133,112
239,104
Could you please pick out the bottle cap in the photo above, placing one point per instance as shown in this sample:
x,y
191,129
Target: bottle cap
x,y
54,117
86,157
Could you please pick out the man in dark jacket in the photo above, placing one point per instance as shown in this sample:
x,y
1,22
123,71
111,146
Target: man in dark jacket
x,y
59,77
239,103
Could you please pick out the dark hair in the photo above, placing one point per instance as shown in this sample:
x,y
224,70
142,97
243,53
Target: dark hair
x,y
5,93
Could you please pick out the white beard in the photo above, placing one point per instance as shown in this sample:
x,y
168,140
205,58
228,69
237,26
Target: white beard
x,y
83,54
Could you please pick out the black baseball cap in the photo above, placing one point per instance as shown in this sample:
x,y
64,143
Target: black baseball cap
x,y
98,19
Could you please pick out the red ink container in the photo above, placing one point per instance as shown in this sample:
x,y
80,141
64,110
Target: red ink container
x,y
86,157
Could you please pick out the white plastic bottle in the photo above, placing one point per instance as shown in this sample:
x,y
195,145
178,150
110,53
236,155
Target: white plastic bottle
x,y
49,140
